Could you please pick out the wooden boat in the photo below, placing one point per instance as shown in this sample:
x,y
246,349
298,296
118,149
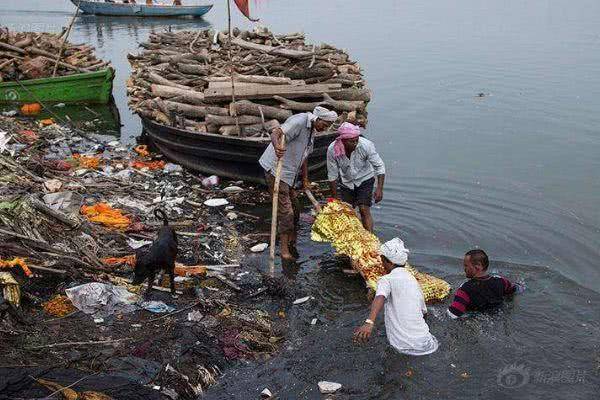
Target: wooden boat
x,y
226,156
140,9
87,87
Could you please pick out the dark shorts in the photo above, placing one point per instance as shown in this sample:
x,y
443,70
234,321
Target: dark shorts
x,y
359,196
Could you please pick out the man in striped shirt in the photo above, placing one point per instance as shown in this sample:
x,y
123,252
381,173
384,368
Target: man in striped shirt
x,y
482,291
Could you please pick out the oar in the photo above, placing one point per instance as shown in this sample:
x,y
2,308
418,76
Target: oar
x,y
274,209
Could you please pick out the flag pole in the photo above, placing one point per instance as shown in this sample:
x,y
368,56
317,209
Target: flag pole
x,y
232,109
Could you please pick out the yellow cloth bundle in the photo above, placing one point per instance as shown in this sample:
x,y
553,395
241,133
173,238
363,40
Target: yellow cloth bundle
x,y
337,223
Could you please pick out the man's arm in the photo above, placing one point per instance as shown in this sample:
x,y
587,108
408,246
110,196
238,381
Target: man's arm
x,y
363,333
379,190
375,159
459,304
509,287
276,135
333,172
305,180
333,189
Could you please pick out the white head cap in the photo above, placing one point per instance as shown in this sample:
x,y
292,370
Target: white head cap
x,y
395,251
325,114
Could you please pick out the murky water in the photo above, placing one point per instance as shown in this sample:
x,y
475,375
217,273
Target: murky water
x,y
514,172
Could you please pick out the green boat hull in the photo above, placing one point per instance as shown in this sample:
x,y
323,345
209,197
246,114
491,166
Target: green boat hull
x,y
88,87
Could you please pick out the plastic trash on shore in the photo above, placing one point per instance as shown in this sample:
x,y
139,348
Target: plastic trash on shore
x,y
259,248
232,190
216,202
10,288
4,138
136,244
157,307
210,181
102,299
52,185
338,224
68,202
329,387
103,213
172,168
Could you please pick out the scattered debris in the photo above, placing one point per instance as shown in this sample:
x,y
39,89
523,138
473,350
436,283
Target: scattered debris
x,y
76,239
258,248
216,202
326,387
302,300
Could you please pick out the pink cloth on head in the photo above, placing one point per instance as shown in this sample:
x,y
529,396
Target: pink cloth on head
x,y
345,131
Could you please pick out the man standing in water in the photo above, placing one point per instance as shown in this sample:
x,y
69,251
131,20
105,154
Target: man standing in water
x,y
482,291
353,163
299,131
401,294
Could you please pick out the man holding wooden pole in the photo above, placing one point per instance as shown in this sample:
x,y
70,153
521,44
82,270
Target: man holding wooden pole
x,y
292,143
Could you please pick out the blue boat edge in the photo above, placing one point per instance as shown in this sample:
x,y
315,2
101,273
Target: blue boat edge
x,y
140,10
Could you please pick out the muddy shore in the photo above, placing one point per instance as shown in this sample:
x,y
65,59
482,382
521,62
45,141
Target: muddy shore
x,y
228,312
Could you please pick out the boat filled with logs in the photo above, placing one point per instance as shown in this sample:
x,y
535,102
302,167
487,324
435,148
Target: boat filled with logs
x,y
209,101
40,66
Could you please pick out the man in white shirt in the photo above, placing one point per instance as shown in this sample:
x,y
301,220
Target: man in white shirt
x,y
353,163
404,303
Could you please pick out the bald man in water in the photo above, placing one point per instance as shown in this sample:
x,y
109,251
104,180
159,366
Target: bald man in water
x,y
482,291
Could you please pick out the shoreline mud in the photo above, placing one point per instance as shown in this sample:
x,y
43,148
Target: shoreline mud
x,y
226,308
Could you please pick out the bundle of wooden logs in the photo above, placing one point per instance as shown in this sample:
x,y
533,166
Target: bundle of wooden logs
x,y
189,79
31,55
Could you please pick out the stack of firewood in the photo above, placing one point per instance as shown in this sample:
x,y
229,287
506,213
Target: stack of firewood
x,y
31,55
186,79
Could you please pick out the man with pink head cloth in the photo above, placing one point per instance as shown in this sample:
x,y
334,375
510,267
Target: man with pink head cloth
x,y
352,165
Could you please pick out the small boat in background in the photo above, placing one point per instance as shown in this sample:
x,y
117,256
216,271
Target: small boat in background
x,y
102,7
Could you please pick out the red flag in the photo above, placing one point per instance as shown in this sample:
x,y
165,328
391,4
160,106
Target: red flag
x,y
244,8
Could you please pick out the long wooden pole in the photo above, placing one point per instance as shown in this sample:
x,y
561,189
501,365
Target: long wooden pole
x,y
274,210
232,109
312,199
62,45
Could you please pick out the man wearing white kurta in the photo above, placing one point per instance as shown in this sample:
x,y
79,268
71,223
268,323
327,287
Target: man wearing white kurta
x,y
404,303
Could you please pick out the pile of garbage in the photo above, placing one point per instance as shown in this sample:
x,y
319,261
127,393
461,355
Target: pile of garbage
x,y
33,55
338,224
76,210
187,78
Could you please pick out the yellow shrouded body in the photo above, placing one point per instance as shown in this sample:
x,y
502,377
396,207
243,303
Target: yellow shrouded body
x,y
338,223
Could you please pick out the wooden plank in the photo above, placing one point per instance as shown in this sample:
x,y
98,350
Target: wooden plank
x,y
257,91
221,84
279,51
267,80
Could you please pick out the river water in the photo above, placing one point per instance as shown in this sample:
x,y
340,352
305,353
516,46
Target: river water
x,y
514,172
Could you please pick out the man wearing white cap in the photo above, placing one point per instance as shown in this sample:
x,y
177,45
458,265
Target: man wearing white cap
x,y
404,303
299,131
